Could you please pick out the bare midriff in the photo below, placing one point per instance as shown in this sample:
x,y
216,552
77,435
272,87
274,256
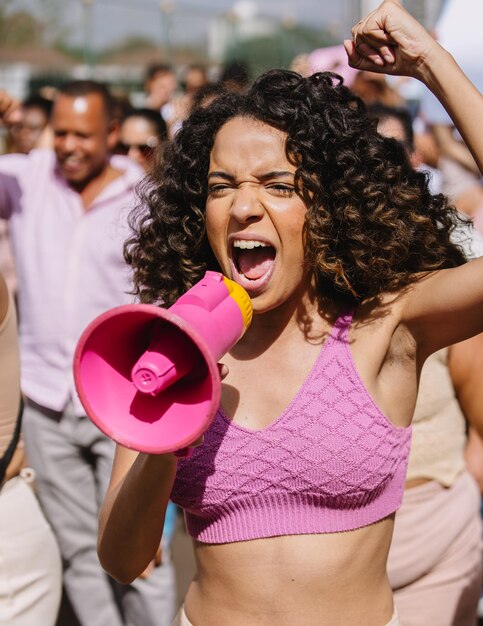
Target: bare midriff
x,y
308,580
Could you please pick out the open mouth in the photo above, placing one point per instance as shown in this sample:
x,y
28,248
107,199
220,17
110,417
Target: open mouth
x,y
253,263
71,164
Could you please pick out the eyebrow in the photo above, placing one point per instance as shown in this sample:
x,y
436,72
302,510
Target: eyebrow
x,y
264,176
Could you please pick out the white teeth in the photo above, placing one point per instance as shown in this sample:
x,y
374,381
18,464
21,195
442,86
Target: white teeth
x,y
248,245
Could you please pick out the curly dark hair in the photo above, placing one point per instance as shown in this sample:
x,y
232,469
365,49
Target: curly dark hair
x,y
371,225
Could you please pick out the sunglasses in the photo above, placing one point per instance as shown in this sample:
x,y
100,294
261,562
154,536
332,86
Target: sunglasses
x,y
145,149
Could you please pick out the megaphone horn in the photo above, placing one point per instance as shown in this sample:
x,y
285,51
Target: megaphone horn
x,y
148,377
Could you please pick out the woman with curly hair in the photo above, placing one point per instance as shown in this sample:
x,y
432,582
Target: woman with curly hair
x,y
290,498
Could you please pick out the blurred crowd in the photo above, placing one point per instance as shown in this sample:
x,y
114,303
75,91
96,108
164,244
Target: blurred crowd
x,y
141,135
170,96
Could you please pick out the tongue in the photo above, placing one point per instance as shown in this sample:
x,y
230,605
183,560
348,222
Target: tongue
x,y
255,263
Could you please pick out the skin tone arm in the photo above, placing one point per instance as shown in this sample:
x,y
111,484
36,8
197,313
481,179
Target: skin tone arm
x,y
46,139
9,108
132,514
389,40
452,148
474,457
465,364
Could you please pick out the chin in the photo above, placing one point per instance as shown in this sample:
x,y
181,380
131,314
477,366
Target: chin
x,y
269,300
76,181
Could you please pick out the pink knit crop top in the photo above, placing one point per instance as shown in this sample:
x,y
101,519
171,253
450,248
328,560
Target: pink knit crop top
x,y
330,462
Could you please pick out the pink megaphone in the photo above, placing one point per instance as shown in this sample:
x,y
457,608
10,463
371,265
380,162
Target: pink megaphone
x,y
148,377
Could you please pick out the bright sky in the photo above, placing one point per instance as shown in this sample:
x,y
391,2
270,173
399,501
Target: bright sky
x,y
113,20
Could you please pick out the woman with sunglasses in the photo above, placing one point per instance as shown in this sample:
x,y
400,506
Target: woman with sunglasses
x,y
142,133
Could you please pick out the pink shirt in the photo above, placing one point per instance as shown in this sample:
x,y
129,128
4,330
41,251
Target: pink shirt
x,y
69,262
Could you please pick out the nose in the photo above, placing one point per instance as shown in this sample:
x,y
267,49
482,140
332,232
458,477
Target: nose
x,y
246,205
69,143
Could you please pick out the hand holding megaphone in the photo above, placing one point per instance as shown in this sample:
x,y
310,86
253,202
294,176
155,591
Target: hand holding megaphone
x,y
148,377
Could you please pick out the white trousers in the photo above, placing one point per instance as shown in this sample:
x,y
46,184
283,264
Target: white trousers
x,y
30,563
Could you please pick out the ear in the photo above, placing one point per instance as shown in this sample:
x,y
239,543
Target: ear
x,y
113,135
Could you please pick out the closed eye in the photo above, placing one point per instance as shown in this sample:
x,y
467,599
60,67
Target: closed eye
x,y
218,189
281,189
63,133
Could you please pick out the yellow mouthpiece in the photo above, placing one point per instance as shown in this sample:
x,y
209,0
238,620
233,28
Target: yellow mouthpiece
x,y
242,299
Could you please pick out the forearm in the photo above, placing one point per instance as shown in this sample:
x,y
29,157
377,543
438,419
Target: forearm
x,y
474,457
463,102
132,516
465,363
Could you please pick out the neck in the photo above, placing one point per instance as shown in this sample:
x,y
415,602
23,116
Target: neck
x,y
299,318
81,185
90,189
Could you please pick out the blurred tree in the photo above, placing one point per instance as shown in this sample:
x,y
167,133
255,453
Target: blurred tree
x,y
139,46
278,50
19,28
24,28
130,44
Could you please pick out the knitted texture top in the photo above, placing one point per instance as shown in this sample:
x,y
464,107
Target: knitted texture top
x,y
330,462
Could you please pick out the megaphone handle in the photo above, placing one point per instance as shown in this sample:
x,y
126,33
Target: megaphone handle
x,y
184,453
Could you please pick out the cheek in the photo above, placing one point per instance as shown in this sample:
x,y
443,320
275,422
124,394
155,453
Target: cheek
x,y
96,148
296,230
95,155
296,247
215,232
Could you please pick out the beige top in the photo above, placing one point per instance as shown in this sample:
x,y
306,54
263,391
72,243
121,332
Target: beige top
x,y
9,377
439,438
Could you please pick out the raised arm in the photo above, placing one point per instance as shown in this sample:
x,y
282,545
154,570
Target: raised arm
x,y
389,40
11,165
444,307
9,108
